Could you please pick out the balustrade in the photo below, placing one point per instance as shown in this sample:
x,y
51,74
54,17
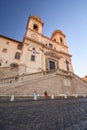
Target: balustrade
x,y
11,81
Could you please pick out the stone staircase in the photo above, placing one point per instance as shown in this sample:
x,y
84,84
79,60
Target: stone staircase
x,y
57,83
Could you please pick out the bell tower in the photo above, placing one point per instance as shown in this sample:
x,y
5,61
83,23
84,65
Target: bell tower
x,y
59,37
34,25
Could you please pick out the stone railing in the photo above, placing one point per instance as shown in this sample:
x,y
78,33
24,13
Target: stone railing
x,y
18,79
64,72
79,79
21,79
71,74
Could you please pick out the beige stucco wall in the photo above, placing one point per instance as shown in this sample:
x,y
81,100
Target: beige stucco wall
x,y
11,47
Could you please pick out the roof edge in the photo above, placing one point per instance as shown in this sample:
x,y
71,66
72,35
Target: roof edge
x,y
10,39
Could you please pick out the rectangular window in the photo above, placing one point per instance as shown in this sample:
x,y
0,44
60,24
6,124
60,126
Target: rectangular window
x,y
19,47
32,58
7,42
17,55
51,65
4,50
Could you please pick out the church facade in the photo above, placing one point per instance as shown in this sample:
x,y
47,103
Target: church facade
x,y
36,52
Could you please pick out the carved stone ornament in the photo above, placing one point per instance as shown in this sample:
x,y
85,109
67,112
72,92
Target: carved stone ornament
x,y
30,48
27,44
37,51
34,36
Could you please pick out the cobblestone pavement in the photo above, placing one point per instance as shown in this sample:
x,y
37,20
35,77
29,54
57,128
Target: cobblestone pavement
x,y
64,114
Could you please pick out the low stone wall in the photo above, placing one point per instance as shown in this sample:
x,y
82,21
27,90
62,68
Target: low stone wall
x,y
13,98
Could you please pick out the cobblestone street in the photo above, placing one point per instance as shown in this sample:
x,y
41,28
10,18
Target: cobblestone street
x,y
63,114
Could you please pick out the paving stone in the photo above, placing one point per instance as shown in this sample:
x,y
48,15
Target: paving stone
x,y
63,114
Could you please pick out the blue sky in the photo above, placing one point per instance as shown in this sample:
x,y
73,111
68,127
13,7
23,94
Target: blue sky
x,y
69,16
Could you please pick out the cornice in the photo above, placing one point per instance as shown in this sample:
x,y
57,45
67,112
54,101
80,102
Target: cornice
x,y
34,31
44,46
47,38
33,40
52,54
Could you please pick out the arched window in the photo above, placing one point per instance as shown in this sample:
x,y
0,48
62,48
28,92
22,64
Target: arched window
x,y
61,40
33,51
35,27
55,39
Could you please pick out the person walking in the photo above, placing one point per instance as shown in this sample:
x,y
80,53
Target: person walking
x,y
46,94
35,95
